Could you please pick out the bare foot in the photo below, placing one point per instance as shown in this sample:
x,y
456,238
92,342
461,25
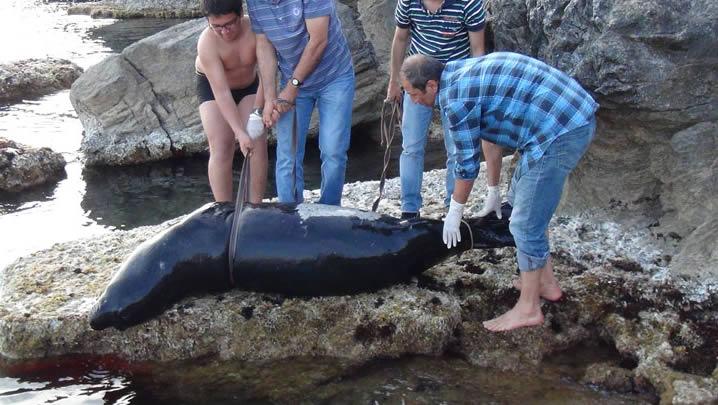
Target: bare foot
x,y
549,290
514,319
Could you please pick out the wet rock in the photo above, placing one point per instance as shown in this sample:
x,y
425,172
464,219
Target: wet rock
x,y
122,9
141,105
32,78
694,391
609,377
22,166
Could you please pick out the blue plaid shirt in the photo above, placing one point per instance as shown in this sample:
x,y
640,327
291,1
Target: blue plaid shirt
x,y
511,100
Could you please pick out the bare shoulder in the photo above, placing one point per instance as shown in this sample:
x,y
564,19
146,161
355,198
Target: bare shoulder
x,y
206,41
247,27
208,50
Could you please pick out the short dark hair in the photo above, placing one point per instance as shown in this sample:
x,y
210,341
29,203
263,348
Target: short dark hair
x,y
419,69
221,7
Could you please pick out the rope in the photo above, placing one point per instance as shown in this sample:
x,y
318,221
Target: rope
x,y
242,197
388,130
471,233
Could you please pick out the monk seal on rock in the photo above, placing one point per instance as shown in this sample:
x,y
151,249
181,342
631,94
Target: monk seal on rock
x,y
298,250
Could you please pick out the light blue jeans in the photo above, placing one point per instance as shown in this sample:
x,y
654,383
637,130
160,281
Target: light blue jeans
x,y
414,130
334,103
536,192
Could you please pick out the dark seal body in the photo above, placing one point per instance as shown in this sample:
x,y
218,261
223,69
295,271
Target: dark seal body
x,y
302,250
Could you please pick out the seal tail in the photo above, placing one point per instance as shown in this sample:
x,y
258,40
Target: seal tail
x,y
489,231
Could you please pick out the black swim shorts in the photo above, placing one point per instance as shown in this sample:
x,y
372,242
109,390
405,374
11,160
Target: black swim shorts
x,y
204,90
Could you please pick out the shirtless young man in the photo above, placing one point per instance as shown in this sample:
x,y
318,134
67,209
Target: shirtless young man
x,y
228,89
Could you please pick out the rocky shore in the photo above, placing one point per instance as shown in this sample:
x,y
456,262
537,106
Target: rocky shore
x,y
33,78
123,9
618,291
22,166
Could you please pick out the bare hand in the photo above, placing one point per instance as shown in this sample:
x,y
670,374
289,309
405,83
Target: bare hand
x,y
245,144
289,96
267,114
393,92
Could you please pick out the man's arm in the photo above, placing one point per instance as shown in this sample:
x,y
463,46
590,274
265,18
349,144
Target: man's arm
x,y
492,152
476,42
398,52
318,29
462,189
267,62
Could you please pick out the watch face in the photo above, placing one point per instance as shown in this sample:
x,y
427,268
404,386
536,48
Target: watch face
x,y
296,82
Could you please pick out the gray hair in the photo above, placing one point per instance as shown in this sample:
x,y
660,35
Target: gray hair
x,y
419,69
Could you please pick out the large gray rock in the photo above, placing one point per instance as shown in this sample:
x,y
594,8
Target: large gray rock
x,y
141,105
377,18
653,68
23,167
33,78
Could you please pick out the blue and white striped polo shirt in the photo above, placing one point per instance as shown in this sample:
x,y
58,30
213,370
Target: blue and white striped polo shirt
x,y
282,21
444,34
511,100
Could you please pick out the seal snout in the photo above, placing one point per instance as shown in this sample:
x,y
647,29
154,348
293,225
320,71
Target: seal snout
x,y
102,317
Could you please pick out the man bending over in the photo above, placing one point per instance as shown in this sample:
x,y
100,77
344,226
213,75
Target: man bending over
x,y
521,103
228,89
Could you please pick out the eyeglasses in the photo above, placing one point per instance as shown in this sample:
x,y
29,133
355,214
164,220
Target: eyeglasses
x,y
218,28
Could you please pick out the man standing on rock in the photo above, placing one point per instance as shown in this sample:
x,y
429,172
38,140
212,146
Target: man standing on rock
x,y
446,30
305,39
522,103
229,89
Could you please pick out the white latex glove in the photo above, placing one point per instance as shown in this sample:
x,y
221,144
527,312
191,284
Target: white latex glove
x,y
255,126
492,202
452,233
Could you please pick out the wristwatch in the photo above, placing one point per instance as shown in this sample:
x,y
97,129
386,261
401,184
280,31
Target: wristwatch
x,y
295,82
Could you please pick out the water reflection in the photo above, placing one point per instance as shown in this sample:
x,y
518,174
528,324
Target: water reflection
x,y
45,29
122,33
414,380
65,381
147,194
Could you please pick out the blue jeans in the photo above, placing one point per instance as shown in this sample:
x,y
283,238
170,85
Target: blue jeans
x,y
334,103
414,130
536,192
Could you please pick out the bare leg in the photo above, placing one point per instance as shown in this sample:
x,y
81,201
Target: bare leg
x,y
492,154
221,150
258,163
259,166
527,311
549,287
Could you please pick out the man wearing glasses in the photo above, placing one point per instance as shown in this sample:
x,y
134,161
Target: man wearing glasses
x,y
228,90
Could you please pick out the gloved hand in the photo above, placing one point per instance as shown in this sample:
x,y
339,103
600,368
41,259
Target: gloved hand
x,y
452,222
492,202
255,126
